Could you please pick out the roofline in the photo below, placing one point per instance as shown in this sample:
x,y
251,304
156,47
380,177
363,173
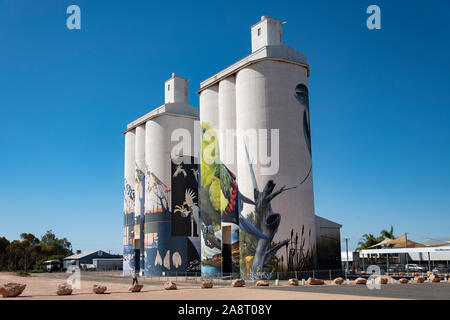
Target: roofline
x,y
266,18
154,116
227,74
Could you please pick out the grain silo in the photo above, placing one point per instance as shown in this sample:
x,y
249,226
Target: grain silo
x,y
161,174
263,98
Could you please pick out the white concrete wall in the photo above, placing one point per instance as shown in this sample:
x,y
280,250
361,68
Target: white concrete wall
x,y
159,147
209,106
265,99
129,169
140,166
176,90
270,33
227,121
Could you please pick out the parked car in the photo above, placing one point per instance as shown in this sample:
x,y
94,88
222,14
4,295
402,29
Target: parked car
x,y
414,268
88,267
440,270
395,268
51,265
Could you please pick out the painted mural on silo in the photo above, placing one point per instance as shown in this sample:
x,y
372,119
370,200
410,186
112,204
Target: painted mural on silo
x,y
212,202
129,204
139,207
278,204
219,209
186,212
157,224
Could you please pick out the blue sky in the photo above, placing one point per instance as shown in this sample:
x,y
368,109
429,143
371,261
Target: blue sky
x,y
380,116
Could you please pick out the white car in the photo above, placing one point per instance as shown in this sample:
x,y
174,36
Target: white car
x,y
414,268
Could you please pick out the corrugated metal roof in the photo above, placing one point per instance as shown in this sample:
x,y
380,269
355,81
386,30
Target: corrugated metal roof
x,y
81,255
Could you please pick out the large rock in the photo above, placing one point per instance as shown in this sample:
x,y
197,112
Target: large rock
x,y
314,282
262,283
435,278
238,283
382,280
403,281
338,281
170,285
360,281
207,284
419,279
64,290
99,289
12,289
293,282
136,288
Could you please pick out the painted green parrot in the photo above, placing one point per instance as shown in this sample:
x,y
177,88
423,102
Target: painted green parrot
x,y
220,187
215,178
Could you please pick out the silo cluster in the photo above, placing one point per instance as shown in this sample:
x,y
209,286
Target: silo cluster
x,y
241,205
258,112
158,238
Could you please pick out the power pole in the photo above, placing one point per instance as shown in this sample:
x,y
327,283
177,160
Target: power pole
x,y
346,250
406,247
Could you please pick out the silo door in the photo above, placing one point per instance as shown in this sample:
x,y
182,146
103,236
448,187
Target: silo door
x,y
137,258
226,249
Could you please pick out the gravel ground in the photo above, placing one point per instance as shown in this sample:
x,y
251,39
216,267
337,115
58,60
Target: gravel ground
x,y
425,291
43,287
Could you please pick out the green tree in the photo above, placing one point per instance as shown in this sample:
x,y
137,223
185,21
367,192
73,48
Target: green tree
x,y
4,243
367,241
387,234
30,252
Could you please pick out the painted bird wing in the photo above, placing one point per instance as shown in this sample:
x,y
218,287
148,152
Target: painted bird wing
x,y
230,190
245,225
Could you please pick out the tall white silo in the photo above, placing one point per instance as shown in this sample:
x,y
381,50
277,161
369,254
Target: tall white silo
x,y
139,194
227,122
159,134
266,100
129,203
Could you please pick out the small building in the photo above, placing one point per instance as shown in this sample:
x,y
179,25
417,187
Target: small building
x,y
84,258
105,264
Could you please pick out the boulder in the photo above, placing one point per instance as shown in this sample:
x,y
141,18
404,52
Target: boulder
x,y
338,281
419,279
360,281
170,285
403,281
238,283
381,280
435,278
99,289
136,288
207,284
262,283
314,282
64,290
12,289
293,282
